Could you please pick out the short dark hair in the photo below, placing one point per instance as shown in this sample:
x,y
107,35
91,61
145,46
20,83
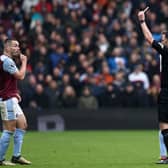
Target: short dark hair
x,y
8,41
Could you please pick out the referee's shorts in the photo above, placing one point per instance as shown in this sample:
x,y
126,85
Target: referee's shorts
x,y
10,109
163,105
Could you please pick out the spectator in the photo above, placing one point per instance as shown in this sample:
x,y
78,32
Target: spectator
x,y
28,89
119,80
134,60
154,90
139,76
151,66
129,96
58,56
117,61
110,98
69,99
102,43
40,99
53,94
105,77
141,92
43,6
27,4
65,82
87,100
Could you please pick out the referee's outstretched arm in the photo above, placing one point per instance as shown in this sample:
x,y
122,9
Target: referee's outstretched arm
x,y
145,29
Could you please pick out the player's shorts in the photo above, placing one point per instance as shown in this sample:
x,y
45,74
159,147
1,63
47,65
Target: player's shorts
x,y
10,109
163,106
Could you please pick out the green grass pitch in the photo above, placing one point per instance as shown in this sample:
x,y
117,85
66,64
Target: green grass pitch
x,y
91,149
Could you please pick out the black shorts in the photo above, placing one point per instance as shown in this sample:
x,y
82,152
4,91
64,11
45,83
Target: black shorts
x,y
163,106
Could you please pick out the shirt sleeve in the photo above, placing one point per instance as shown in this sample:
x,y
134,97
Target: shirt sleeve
x,y
9,66
158,46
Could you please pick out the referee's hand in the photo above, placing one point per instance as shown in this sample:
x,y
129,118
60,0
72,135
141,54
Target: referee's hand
x,y
141,15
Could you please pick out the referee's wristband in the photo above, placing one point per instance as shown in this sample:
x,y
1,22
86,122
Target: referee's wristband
x,y
142,21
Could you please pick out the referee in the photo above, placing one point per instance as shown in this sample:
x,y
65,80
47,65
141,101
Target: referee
x,y
162,49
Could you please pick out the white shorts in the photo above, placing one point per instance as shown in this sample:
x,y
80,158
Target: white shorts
x,y
10,109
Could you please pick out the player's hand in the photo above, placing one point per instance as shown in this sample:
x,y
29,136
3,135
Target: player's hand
x,y
23,58
141,15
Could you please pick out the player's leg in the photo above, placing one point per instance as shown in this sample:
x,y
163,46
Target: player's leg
x,y
163,118
5,137
163,151
21,125
164,128
9,125
19,135
163,114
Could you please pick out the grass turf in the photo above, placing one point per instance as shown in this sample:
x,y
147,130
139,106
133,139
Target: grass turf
x,y
91,149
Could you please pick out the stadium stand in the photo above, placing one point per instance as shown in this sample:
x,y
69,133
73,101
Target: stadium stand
x,y
73,44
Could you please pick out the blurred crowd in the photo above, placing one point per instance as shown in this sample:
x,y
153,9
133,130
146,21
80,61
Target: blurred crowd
x,y
85,54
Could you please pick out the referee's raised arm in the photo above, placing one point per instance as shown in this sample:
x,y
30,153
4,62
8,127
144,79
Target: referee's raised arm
x,y
144,27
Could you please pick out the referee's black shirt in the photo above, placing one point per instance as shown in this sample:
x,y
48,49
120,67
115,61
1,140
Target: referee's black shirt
x,y
163,51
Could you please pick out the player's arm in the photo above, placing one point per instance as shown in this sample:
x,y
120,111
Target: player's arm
x,y
20,74
144,27
10,67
